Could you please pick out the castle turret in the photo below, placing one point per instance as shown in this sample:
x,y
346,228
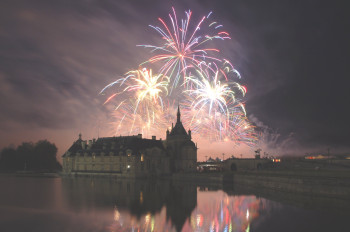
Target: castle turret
x,y
182,150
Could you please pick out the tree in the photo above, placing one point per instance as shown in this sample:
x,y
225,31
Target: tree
x,y
30,157
8,159
25,153
45,156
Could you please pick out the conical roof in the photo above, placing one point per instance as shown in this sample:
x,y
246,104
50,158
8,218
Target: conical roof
x,y
178,129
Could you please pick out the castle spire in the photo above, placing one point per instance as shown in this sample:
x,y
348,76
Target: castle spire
x,y
178,114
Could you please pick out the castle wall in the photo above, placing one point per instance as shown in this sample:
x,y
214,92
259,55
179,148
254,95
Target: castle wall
x,y
153,163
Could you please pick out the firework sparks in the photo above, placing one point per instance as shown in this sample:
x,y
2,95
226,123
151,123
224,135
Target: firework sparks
x,y
142,84
142,94
182,48
211,92
148,86
210,96
213,108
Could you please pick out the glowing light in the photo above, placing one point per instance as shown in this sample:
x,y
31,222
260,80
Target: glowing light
x,y
147,218
199,220
116,214
141,197
152,224
248,228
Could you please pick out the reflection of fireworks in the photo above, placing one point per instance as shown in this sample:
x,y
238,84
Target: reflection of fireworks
x,y
226,213
210,98
215,211
182,47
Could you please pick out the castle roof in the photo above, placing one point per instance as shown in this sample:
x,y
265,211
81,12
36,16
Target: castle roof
x,y
178,129
117,145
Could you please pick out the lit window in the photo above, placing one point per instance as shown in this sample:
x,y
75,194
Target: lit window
x,y
141,197
142,158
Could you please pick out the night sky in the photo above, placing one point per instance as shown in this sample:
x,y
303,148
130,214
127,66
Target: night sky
x,y
56,56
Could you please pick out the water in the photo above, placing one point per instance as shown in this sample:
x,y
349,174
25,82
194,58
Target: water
x,y
85,204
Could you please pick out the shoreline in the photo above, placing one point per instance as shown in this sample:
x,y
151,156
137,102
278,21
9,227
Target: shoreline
x,y
30,174
303,182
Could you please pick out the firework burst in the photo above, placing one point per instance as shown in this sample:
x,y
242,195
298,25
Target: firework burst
x,y
213,108
183,47
210,96
211,93
139,100
142,84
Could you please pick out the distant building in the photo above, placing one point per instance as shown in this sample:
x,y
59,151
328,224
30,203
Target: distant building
x,y
133,156
318,157
233,164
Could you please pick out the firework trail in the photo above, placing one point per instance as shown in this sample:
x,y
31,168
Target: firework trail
x,y
184,47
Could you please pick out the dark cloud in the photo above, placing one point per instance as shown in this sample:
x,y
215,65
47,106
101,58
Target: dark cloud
x,y
55,57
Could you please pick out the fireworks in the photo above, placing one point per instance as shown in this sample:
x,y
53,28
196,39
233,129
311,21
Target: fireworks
x,y
143,84
211,92
213,108
210,96
183,47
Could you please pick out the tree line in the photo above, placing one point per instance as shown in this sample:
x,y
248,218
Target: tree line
x,y
37,157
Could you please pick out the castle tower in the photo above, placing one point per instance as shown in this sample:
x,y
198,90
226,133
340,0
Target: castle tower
x,y
182,150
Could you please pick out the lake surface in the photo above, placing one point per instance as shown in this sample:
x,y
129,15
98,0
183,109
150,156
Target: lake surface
x,y
97,204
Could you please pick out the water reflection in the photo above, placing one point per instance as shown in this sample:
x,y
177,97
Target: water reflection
x,y
217,211
107,205
162,205
137,205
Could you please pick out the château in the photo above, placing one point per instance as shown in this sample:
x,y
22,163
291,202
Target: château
x,y
133,156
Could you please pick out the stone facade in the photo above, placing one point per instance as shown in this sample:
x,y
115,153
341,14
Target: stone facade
x,y
133,156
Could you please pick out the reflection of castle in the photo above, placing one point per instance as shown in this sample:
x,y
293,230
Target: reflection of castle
x,y
141,199
133,156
